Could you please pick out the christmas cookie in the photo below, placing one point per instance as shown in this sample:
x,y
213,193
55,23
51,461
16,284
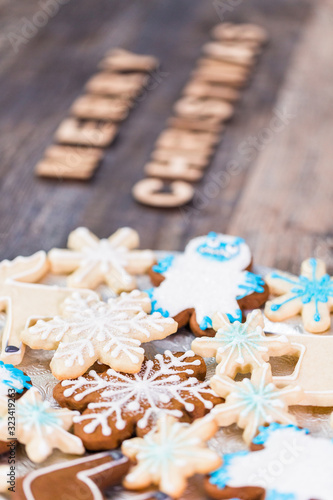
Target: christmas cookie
x,y
11,378
290,464
90,261
114,406
23,300
40,427
84,478
310,294
240,347
170,454
212,275
254,402
91,330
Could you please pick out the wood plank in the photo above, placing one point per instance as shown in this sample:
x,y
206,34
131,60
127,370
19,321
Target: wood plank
x,y
284,210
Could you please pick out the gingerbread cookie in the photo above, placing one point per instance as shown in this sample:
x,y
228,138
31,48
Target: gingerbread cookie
x,y
24,300
240,347
210,276
170,454
82,478
91,262
289,465
252,403
311,294
114,406
91,330
40,427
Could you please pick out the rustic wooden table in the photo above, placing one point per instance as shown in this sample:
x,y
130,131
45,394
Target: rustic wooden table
x,y
279,196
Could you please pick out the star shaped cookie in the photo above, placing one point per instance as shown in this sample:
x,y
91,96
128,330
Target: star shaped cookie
x,y
254,402
170,454
310,294
91,330
114,406
240,347
91,262
40,427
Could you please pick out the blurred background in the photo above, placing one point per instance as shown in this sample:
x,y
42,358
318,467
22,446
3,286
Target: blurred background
x,y
278,195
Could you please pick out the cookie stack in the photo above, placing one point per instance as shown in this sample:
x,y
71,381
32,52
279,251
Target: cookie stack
x,y
111,392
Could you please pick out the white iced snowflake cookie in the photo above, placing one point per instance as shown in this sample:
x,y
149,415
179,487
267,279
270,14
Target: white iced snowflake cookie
x,y
91,330
210,276
310,294
240,347
170,454
114,406
254,402
90,261
40,427
291,465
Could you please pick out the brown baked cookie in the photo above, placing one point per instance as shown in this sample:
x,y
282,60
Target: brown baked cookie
x,y
115,406
212,275
71,480
284,463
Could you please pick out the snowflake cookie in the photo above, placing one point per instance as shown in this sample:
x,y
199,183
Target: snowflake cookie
x,y
210,276
311,294
171,453
254,402
24,300
114,406
240,347
91,330
290,464
91,262
40,427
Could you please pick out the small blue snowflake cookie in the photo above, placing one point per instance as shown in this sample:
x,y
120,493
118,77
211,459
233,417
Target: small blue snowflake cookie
x,y
212,275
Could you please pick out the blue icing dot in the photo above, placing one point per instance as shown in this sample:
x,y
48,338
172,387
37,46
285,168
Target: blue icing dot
x,y
215,248
154,305
163,264
265,432
253,283
14,375
275,495
206,323
220,477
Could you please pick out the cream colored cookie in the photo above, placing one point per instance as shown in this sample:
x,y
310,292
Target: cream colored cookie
x,y
91,262
254,402
170,454
91,330
240,347
310,294
40,427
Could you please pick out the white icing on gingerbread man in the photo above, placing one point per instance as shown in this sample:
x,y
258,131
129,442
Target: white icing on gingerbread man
x,y
209,276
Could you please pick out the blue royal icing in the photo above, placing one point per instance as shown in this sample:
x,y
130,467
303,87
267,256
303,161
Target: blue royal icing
x,y
308,290
265,432
220,477
12,377
275,495
253,283
213,248
154,307
163,264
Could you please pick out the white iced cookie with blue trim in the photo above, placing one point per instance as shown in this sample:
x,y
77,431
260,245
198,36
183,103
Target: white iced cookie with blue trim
x,y
290,464
212,275
40,428
310,294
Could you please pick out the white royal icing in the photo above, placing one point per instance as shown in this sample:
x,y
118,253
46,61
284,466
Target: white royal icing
x,y
204,281
149,388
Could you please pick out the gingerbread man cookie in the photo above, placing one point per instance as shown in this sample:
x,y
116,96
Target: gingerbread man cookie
x,y
115,405
91,330
290,464
82,478
311,294
240,347
24,300
210,276
254,402
91,262
40,427
171,453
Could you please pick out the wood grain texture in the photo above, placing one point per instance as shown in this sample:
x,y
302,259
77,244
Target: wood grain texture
x,y
278,198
